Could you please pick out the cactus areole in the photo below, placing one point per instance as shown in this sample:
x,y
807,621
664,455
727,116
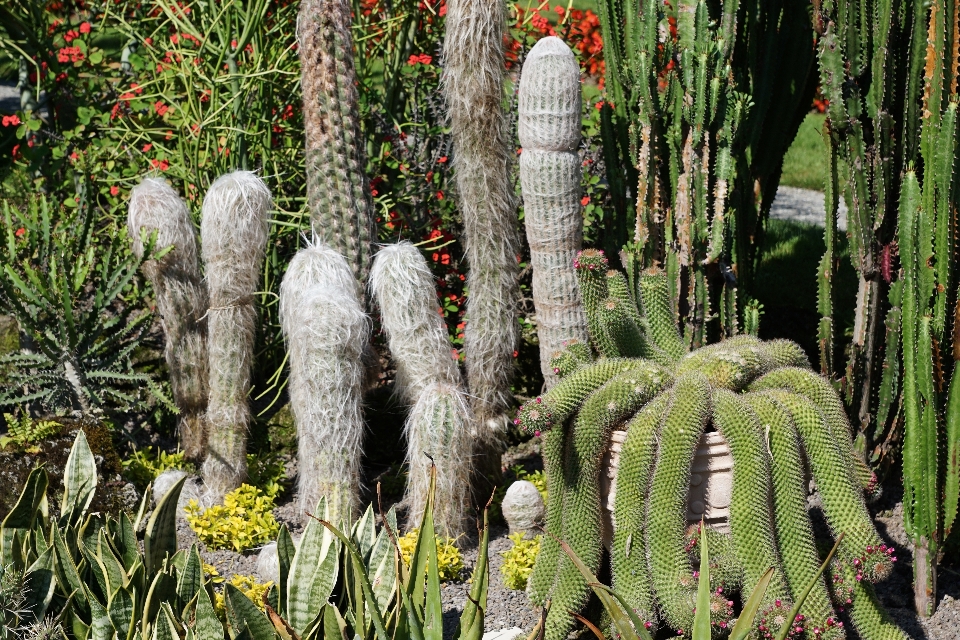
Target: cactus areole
x,y
781,421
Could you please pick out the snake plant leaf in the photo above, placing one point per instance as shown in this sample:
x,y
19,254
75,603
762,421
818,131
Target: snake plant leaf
x,y
285,553
334,626
164,629
99,587
191,577
701,617
67,574
477,600
313,572
206,626
160,538
125,541
241,612
112,567
121,612
39,584
419,558
23,516
162,589
283,629
745,621
382,565
364,533
79,481
140,519
101,628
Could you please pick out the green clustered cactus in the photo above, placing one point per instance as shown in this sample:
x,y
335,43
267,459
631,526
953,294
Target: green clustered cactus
x,y
777,417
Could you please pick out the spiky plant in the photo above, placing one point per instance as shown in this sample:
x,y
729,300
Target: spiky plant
x,y
772,411
890,74
473,71
549,131
181,297
233,233
13,609
338,193
326,331
428,378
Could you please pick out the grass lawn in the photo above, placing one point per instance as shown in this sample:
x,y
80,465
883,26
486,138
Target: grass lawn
x,y
805,163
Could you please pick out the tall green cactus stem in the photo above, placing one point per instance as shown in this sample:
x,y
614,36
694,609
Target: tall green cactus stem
x,y
591,266
574,355
751,520
338,194
588,437
628,557
868,616
683,423
726,571
439,426
181,301
842,499
403,288
658,309
473,71
549,131
797,545
326,332
544,575
627,337
233,235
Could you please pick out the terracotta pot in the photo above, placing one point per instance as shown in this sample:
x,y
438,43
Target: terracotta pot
x,y
711,483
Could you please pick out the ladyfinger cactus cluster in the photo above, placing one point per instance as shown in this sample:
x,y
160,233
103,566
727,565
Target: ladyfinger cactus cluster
x,y
774,414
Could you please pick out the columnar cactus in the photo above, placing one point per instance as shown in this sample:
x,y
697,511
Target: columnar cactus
x,y
181,301
429,379
549,131
891,79
338,193
772,411
233,234
473,71
326,331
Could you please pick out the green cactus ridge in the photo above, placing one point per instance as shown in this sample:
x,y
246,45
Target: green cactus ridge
x,y
591,266
798,548
683,423
574,355
588,437
868,616
545,570
658,309
626,335
751,521
726,571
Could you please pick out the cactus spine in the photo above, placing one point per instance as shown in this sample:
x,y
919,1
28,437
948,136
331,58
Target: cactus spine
x,y
473,87
326,332
549,131
772,413
181,301
429,379
338,195
233,233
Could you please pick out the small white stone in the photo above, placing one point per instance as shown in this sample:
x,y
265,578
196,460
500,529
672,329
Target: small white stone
x,y
192,488
523,508
503,634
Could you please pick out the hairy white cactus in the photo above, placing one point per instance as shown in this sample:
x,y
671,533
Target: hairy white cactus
x,y
233,233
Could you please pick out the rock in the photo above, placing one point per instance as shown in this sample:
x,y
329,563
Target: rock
x,y
523,508
268,564
503,634
192,488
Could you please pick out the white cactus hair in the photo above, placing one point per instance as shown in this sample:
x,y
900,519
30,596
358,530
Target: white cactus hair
x,y
327,332
181,301
233,230
439,427
402,286
473,73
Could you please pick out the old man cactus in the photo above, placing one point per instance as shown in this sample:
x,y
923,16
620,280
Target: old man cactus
x,y
772,411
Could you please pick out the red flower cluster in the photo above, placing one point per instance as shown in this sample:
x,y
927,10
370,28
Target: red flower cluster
x,y
13,120
580,28
70,54
160,108
421,58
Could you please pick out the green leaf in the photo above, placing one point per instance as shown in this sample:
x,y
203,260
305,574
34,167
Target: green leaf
x,y
241,612
66,570
207,625
745,622
120,610
285,554
191,577
79,480
795,611
23,516
39,584
160,538
163,589
313,572
382,564
471,620
701,617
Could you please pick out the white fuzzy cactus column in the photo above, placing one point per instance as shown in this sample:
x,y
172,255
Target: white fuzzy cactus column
x,y
549,130
233,234
181,301
326,331
429,379
473,71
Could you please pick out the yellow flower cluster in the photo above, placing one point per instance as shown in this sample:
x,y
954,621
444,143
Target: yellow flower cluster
x,y
244,520
450,561
249,586
518,561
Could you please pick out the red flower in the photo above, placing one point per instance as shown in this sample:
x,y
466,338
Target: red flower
x,y
585,200
74,156
442,159
147,147
19,232
70,36
13,120
439,195
163,165
16,151
84,27
160,108
114,190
